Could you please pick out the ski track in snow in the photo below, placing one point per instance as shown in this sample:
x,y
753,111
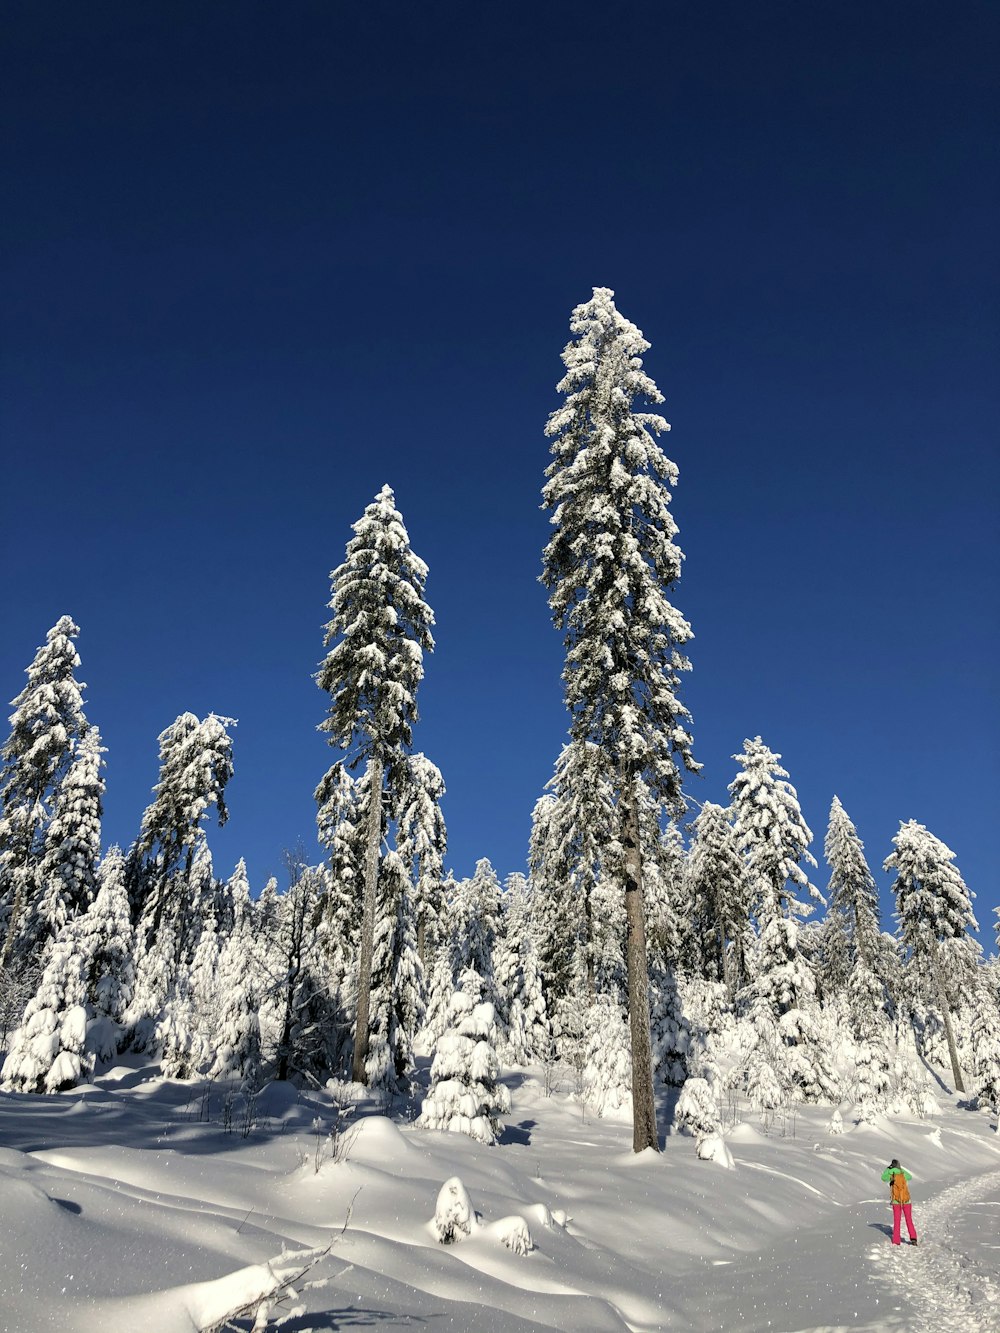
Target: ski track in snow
x,y
947,1290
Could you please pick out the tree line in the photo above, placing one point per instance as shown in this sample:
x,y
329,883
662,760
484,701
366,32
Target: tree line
x,y
651,940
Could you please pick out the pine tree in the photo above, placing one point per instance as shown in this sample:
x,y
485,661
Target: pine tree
x,y
109,944
774,837
581,830
237,1040
934,910
558,915
518,981
397,1001
341,827
422,842
719,896
382,628
853,898
309,1026
177,1035
985,1041
608,566
466,1095
67,873
607,1070
47,724
48,1051
770,830
196,763
667,895
476,924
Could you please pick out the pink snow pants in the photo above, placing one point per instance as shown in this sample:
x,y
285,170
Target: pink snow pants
x,y
904,1210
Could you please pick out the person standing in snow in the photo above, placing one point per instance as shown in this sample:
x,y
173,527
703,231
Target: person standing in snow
x,y
899,1196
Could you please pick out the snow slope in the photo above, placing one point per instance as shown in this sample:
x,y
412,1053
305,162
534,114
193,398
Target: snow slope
x,y
123,1208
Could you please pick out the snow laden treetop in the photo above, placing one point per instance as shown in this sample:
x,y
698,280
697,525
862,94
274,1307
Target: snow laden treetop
x,y
612,555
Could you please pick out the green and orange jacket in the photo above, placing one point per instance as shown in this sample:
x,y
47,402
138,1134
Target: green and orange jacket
x,y
891,1171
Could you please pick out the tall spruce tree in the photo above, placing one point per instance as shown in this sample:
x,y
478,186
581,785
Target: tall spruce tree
x,y
608,567
46,726
934,910
380,630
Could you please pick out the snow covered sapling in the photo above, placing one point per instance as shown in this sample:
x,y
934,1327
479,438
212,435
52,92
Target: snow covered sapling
x,y
454,1215
608,567
698,1114
466,1094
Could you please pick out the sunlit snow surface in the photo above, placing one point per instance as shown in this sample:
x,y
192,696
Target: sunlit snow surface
x,y
120,1209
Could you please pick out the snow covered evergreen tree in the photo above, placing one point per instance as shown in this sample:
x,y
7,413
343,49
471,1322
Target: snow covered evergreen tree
x,y
237,1040
774,837
47,724
476,924
422,842
770,830
109,944
607,1070
934,910
719,897
608,566
853,898
985,1041
48,1051
309,1027
581,831
196,763
526,1035
466,1095
67,872
397,999
558,916
382,628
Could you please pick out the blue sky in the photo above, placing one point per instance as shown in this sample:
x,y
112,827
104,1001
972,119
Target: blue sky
x,y
260,260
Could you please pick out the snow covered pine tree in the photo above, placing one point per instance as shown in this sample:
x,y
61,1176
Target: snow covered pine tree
x,y
383,628
608,566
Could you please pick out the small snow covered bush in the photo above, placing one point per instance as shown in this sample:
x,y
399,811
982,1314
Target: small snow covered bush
x,y
454,1216
713,1148
513,1232
836,1125
698,1113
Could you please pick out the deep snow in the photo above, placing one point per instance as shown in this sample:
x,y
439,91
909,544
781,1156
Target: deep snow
x,y
123,1210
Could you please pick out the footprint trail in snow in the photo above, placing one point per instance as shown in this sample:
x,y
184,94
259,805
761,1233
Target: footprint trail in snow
x,y
945,1278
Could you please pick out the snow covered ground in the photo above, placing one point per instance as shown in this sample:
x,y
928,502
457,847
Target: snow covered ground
x,y
123,1208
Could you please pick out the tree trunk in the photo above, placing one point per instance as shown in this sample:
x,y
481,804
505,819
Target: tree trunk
x,y
376,769
644,1133
949,1032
